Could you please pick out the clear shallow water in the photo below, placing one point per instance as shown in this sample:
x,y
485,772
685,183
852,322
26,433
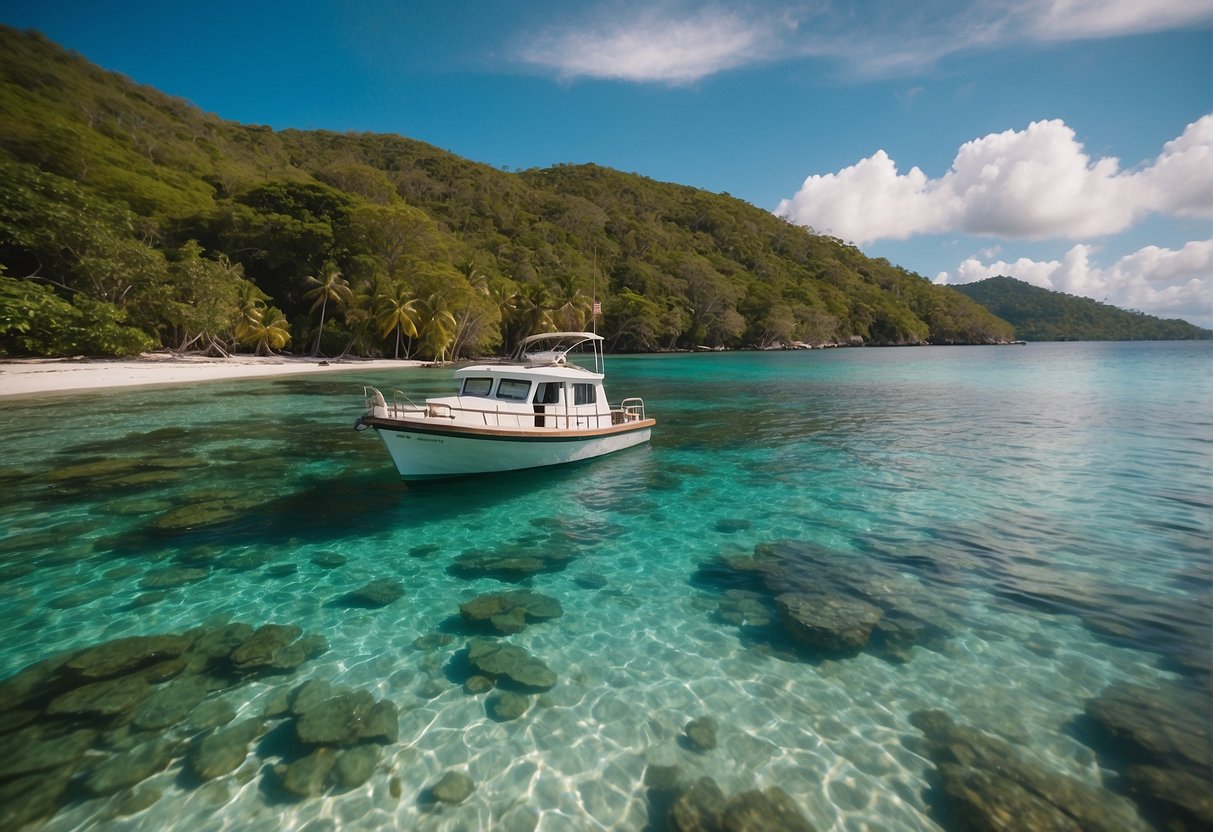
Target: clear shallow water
x,y
1047,508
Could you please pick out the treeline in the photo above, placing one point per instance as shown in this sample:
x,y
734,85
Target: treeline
x,y
1042,315
130,220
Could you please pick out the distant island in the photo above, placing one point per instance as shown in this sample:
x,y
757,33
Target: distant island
x,y
1044,315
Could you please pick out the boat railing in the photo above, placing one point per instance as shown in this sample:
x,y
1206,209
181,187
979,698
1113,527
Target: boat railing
x,y
629,410
551,417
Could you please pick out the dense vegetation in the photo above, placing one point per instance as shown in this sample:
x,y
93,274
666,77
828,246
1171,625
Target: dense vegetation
x,y
1042,315
130,220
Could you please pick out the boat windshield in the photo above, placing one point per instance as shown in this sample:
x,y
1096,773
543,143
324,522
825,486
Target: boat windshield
x,y
477,386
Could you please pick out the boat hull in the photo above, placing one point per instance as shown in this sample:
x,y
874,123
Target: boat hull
x,y
423,451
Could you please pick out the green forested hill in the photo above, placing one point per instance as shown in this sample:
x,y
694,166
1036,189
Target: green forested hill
x,y
1043,315
131,220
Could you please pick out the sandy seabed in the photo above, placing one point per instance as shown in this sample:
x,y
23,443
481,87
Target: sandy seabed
x,y
24,377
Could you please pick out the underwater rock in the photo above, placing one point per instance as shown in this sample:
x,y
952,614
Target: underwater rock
x,y
772,810
477,684
499,660
29,751
702,733
136,801
375,594
219,642
454,787
987,785
308,777
174,577
77,599
197,516
831,623
335,721
505,705
513,564
349,719
590,580
31,798
329,560
424,550
356,765
382,723
662,778
698,808
224,751
509,612
170,704
280,570
262,649
95,470
1180,799
122,771
124,655
309,695
210,714
1165,732
1169,727
107,698
732,525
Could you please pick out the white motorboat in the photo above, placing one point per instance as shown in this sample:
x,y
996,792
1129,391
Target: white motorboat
x,y
539,408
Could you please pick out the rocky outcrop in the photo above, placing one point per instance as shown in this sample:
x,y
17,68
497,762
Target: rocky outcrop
x,y
985,784
507,613
833,624
109,716
1160,741
510,665
827,604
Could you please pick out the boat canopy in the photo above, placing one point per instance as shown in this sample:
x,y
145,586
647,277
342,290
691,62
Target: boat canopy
x,y
553,347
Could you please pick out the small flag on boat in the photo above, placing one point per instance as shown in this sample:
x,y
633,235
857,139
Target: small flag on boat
x,y
597,309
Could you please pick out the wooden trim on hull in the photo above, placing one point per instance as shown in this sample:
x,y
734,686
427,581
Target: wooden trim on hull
x,y
541,435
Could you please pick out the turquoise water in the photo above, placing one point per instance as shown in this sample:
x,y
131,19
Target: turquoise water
x,y
1046,509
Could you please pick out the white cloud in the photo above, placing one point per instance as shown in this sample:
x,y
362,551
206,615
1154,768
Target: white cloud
x,y
681,41
659,44
1157,281
1072,19
1036,183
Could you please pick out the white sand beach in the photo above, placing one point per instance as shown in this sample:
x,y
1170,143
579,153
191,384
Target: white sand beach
x,y
23,377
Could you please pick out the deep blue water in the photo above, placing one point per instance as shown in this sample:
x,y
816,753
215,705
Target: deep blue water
x,y
1042,513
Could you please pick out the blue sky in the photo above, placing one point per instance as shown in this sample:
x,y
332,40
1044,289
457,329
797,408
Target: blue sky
x,y
1064,142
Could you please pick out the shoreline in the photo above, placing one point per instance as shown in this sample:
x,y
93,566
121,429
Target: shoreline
x,y
49,376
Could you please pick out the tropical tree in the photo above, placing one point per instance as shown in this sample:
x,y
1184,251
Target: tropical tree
x,y
396,310
266,328
331,287
571,306
438,328
360,320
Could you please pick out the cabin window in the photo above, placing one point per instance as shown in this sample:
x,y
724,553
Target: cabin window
x,y
548,393
513,389
477,386
585,394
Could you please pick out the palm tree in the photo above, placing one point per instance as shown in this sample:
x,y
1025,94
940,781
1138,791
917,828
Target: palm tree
x,y
531,312
396,309
439,328
572,306
267,329
360,321
332,287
